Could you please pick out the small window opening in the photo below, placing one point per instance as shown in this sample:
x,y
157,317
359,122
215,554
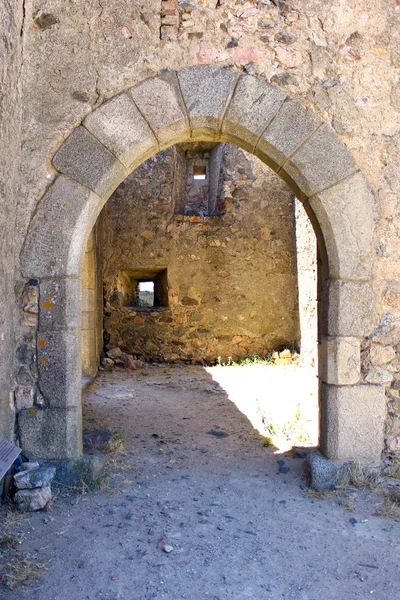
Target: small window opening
x,y
142,288
146,293
199,172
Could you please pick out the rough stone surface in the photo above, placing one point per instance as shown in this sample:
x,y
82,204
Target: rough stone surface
x,y
340,359
24,397
121,128
86,160
290,126
252,107
32,500
11,17
320,162
170,124
34,478
350,312
58,355
205,91
341,61
50,433
232,287
59,302
324,474
85,470
352,422
346,214
68,210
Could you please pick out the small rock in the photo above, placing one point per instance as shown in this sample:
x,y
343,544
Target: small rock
x,y
379,375
114,353
33,499
34,478
353,521
285,354
28,466
129,361
167,548
325,475
107,362
285,79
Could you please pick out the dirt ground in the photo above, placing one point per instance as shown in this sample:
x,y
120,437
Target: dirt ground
x,y
196,479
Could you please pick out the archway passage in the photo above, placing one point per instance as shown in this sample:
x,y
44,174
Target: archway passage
x,y
205,103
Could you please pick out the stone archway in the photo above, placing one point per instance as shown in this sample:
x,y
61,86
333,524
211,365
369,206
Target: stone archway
x,y
207,103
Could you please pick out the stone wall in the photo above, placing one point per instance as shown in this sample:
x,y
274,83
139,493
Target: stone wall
x,y
11,18
340,58
232,280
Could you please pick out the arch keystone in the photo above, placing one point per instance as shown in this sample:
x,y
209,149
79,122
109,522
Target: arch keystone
x,y
120,127
160,101
205,90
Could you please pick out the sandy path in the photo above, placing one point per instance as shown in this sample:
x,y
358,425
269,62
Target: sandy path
x,y
239,529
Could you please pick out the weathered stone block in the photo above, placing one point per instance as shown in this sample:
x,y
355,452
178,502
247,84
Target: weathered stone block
x,y
87,469
32,500
252,107
284,134
34,478
205,90
325,475
160,101
51,433
86,160
350,311
88,299
352,422
64,218
60,303
121,128
340,360
59,366
89,320
89,270
346,215
321,161
381,355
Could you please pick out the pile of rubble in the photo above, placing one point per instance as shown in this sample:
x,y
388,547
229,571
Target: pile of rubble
x,y
33,486
116,358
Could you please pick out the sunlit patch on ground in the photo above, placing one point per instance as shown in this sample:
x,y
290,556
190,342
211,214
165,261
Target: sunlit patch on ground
x,y
280,401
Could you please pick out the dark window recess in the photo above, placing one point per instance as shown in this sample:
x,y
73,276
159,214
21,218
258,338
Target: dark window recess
x,y
140,288
198,179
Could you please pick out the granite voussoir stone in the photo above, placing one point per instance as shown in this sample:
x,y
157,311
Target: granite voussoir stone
x,y
291,125
160,101
320,162
86,160
205,90
119,125
64,216
254,104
